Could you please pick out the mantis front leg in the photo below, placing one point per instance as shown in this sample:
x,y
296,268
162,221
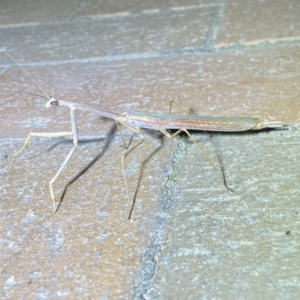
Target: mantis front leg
x,y
74,133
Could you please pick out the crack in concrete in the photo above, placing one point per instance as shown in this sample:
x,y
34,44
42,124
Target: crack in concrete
x,y
143,287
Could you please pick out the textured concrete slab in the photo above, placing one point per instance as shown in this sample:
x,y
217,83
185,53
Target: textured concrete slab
x,y
89,239
189,237
258,22
31,12
241,244
146,33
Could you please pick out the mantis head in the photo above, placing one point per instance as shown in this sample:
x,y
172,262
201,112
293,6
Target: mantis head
x,y
52,102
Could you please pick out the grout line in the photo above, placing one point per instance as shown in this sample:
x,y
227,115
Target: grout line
x,y
215,25
4,69
265,44
143,288
68,16
257,43
6,26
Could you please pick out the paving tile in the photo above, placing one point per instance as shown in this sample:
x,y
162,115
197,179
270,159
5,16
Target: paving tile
x,y
256,22
220,244
146,34
23,13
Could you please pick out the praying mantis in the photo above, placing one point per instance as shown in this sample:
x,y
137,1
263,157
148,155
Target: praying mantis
x,y
136,121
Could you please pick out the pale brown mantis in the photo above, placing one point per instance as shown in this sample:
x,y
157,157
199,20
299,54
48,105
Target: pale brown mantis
x,y
135,121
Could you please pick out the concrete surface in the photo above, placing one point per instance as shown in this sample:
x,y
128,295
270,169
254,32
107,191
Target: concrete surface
x,y
189,238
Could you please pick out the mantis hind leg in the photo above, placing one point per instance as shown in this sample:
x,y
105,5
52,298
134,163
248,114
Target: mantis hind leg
x,y
173,102
170,112
222,177
198,146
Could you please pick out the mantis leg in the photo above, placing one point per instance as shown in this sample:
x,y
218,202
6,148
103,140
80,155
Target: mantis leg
x,y
165,132
69,156
170,112
140,133
173,102
67,159
122,138
42,134
198,146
